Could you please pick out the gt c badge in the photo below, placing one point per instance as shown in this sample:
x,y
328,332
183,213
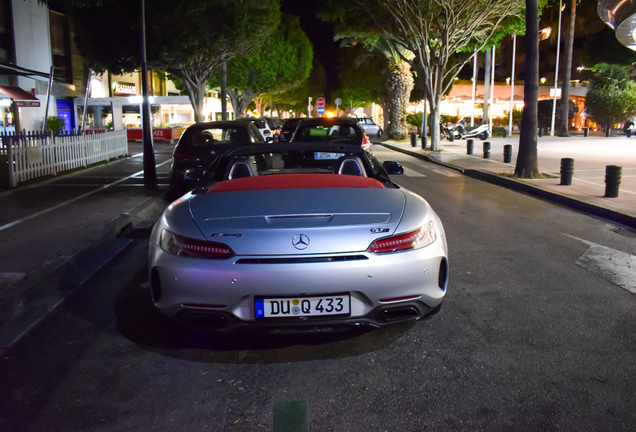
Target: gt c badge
x,y
379,230
300,242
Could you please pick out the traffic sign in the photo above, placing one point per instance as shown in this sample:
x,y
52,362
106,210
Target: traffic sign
x,y
320,101
338,101
321,109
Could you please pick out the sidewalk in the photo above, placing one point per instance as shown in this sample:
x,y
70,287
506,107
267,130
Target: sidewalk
x,y
54,230
591,155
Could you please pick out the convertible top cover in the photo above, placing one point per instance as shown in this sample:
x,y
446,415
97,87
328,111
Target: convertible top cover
x,y
295,181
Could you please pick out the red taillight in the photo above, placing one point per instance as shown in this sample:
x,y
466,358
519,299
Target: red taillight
x,y
180,154
413,240
366,144
193,248
267,132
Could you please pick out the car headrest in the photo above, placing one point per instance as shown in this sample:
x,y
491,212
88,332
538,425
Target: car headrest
x,y
241,169
350,165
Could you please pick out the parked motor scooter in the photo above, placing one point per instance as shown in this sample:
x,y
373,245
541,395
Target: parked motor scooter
x,y
446,132
481,131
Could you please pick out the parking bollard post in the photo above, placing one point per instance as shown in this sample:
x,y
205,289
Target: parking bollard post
x,y
508,153
613,174
469,146
586,132
567,169
413,139
486,149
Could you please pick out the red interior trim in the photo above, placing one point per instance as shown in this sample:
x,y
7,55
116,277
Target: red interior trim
x,y
295,181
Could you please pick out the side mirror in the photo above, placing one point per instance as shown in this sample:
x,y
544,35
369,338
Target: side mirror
x,y
393,168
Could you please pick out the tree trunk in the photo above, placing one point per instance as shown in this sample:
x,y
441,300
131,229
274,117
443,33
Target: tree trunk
x,y
527,162
386,110
196,94
562,129
433,124
399,84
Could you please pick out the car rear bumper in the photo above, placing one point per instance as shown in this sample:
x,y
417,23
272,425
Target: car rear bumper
x,y
381,316
225,290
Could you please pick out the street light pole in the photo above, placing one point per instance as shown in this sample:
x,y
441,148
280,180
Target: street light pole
x,y
556,73
512,83
472,115
224,91
150,171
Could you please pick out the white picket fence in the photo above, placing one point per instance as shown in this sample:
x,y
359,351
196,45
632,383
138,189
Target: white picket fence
x,y
27,156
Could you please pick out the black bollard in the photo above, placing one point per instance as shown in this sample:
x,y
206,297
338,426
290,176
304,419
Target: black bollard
x,y
413,139
540,132
505,133
567,169
608,132
507,153
586,132
486,149
613,175
470,144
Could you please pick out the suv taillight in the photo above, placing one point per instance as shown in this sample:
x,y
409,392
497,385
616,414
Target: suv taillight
x,y
180,154
193,248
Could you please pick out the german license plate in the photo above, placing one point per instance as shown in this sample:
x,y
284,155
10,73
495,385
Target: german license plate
x,y
302,306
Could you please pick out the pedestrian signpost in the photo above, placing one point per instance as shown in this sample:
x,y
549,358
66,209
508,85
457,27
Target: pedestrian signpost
x,y
309,107
338,101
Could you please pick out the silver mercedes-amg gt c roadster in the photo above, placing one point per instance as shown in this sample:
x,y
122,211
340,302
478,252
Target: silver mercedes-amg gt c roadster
x,y
298,236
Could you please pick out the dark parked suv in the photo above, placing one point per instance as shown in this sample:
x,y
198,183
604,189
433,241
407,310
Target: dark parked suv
x,y
201,143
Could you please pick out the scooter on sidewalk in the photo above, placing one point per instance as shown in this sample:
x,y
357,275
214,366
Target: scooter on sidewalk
x,y
446,132
481,131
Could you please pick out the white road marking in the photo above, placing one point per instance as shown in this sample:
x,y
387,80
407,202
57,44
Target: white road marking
x,y
412,173
55,207
615,266
445,172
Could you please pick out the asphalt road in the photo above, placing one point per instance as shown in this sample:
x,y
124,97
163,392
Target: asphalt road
x,y
532,336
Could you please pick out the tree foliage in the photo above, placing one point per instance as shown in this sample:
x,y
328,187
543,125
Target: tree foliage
x,y
189,39
434,32
281,62
612,95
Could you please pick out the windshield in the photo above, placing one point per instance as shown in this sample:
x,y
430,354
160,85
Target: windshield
x,y
327,133
201,136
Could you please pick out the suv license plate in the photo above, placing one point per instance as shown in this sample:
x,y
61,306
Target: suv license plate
x,y
302,306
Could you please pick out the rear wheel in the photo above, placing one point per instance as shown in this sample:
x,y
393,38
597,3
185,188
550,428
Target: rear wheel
x,y
483,136
379,133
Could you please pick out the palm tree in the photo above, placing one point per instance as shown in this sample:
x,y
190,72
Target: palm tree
x,y
562,128
527,161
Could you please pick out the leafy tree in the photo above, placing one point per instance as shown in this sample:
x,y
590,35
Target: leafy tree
x,y
544,112
363,78
612,95
296,99
209,32
439,35
282,61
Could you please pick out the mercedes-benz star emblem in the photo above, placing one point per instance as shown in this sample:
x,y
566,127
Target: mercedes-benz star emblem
x,y
301,241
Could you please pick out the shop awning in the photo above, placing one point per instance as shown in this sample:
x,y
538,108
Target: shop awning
x,y
19,97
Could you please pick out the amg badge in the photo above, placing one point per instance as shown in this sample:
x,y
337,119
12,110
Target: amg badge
x,y
226,235
379,230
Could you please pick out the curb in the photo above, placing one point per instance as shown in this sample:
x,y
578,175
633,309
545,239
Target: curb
x,y
41,291
521,186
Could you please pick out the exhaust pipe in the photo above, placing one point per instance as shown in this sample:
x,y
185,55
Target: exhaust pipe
x,y
400,314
